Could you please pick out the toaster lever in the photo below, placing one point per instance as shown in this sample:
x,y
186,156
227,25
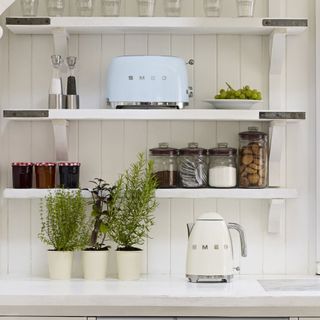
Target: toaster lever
x,y
190,92
191,62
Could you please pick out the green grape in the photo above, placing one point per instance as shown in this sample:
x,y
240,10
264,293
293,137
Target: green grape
x,y
242,96
243,93
217,96
222,91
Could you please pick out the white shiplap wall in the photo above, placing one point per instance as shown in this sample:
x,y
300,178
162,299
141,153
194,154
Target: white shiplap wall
x,y
107,148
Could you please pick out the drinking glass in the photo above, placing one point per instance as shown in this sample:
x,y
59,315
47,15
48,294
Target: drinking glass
x,y
173,8
85,8
146,8
245,8
111,8
211,8
29,7
55,8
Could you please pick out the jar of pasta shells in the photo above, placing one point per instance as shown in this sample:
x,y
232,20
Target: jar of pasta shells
x,y
253,159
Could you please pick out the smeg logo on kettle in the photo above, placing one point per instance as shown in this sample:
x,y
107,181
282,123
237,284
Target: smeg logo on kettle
x,y
206,247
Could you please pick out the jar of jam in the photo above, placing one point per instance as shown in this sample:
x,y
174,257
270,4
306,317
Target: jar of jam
x,y
165,165
22,173
253,159
69,174
193,166
223,166
45,175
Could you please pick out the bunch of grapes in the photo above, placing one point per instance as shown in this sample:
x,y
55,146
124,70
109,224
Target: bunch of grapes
x,y
245,93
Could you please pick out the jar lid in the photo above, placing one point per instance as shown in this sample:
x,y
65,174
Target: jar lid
x,y
22,164
223,150
193,149
164,150
252,134
45,164
69,164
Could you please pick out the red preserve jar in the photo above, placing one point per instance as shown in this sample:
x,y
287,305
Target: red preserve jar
x,y
45,175
22,173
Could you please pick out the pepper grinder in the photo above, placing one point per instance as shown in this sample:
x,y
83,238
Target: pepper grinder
x,y
56,98
73,100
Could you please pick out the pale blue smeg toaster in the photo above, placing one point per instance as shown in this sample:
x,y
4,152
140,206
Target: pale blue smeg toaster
x,y
147,82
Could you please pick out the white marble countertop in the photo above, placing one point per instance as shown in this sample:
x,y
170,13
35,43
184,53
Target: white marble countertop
x,y
160,296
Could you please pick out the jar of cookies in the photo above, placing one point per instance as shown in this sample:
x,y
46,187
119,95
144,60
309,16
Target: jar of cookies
x,y
253,159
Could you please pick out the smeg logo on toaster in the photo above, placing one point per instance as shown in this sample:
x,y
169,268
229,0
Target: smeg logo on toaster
x,y
143,77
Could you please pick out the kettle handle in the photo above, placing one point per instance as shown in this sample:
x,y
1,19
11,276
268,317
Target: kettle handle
x,y
243,242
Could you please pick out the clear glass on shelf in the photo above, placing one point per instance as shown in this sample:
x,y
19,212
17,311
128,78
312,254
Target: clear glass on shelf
x,y
85,8
212,8
29,7
110,8
253,159
55,8
245,8
146,8
173,8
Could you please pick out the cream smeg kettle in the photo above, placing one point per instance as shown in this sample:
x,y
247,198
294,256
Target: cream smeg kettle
x,y
210,252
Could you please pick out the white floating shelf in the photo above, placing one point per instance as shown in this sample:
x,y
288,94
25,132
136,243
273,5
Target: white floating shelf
x,y
181,25
186,114
268,193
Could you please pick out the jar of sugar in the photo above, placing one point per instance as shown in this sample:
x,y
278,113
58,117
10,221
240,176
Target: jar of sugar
x,y
223,166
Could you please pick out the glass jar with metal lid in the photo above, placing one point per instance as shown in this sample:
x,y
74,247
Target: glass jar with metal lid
x,y
223,166
193,166
69,173
253,159
165,165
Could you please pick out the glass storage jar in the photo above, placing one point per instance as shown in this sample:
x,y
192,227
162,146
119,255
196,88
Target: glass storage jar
x,y
146,8
29,7
253,159
165,165
193,166
111,8
69,173
223,166
22,173
85,8
45,175
55,8
173,8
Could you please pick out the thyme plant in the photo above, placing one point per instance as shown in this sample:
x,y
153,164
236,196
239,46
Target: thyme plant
x,y
131,205
64,225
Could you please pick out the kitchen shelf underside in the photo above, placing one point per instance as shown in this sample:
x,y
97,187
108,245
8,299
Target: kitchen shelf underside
x,y
182,25
186,114
268,193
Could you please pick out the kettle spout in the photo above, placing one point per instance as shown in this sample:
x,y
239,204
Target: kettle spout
x,y
190,227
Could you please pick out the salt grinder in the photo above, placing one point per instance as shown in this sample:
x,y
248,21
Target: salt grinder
x,y
56,98
73,100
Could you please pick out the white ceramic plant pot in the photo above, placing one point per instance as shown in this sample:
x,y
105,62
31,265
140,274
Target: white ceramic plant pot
x,y
60,264
129,265
95,264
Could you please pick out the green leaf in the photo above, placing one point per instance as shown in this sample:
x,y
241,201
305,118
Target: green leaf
x,y
103,228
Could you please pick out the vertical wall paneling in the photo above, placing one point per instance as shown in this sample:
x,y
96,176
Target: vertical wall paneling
x,y
205,70
4,101
106,148
274,246
159,243
300,82
252,221
181,214
19,242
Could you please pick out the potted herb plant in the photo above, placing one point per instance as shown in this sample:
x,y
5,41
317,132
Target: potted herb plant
x,y
64,227
131,206
95,257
